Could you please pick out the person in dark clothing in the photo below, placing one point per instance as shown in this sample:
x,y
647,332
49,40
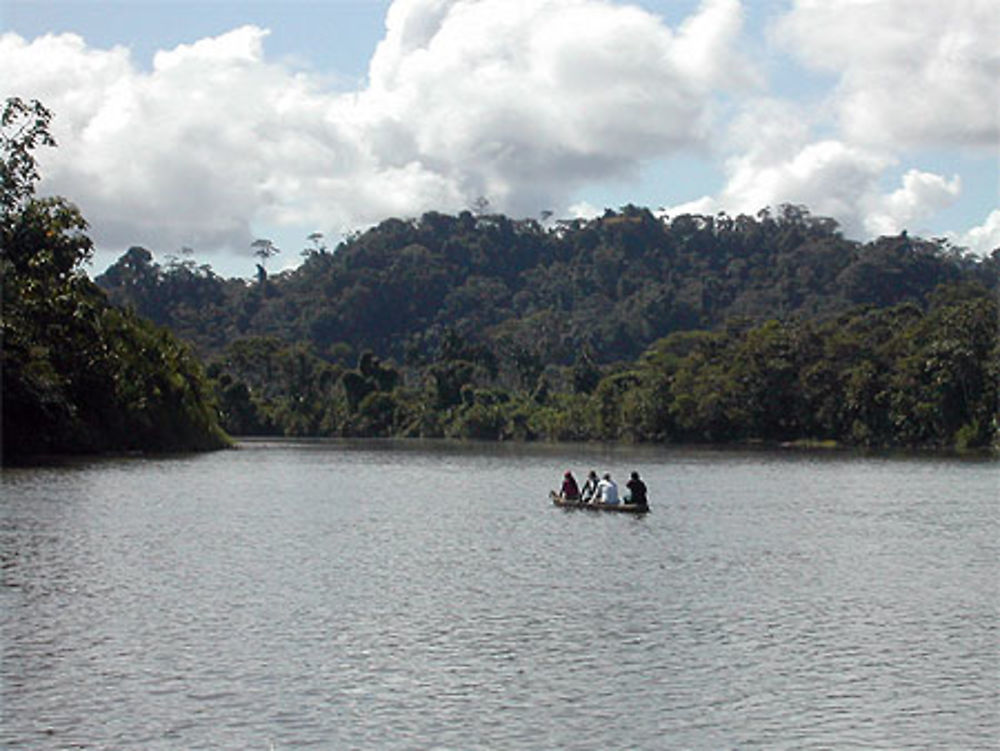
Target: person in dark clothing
x,y
570,490
637,491
590,488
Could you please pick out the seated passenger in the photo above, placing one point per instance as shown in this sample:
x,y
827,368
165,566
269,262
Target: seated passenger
x,y
608,490
589,493
636,491
570,490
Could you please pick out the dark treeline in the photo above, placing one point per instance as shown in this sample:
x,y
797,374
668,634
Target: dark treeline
x,y
897,376
627,327
79,374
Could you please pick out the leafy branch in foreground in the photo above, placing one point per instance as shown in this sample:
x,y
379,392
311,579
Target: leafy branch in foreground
x,y
24,126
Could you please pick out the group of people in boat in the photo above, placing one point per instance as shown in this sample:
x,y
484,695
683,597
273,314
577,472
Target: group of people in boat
x,y
604,490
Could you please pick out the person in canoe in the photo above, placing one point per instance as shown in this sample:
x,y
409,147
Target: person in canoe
x,y
570,490
607,490
589,492
636,491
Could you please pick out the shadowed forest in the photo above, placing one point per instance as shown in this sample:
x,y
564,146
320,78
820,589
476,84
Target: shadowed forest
x,y
626,327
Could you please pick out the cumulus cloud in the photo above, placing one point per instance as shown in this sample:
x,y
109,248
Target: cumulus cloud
x,y
911,75
983,239
832,178
183,154
913,71
524,103
920,195
828,176
518,102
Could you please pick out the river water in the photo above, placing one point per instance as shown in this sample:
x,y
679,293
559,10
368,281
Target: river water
x,y
340,595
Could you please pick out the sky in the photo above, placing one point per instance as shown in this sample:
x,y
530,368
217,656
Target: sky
x,y
205,125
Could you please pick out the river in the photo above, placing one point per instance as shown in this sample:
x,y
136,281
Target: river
x,y
410,595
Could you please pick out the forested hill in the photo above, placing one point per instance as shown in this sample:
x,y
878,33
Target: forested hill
x,y
608,287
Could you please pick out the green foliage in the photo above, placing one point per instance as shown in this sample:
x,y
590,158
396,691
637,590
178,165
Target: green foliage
x,y
701,329
873,377
586,374
266,387
24,126
534,297
892,377
78,374
771,327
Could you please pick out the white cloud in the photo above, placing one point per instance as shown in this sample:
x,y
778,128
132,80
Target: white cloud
x,y
520,102
704,205
832,179
178,156
827,176
983,239
910,75
584,210
523,101
912,72
774,162
920,196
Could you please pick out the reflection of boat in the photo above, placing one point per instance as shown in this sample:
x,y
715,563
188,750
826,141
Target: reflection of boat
x,y
622,508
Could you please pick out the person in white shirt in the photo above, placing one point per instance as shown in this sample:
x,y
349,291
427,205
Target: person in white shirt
x,y
607,490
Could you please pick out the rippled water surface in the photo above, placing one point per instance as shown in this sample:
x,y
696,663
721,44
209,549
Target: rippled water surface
x,y
407,595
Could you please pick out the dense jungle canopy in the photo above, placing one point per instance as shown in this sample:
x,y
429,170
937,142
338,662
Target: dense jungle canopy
x,y
609,286
626,327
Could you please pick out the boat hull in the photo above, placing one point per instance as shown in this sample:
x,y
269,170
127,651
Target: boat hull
x,y
620,508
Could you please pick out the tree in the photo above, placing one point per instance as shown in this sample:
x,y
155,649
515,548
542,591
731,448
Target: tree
x,y
481,206
318,246
24,126
40,237
79,374
263,249
586,375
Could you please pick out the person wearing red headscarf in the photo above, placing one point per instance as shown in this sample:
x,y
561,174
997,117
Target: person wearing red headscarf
x,y
570,490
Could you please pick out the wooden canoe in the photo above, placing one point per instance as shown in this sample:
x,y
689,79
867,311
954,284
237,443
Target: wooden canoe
x,y
621,508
